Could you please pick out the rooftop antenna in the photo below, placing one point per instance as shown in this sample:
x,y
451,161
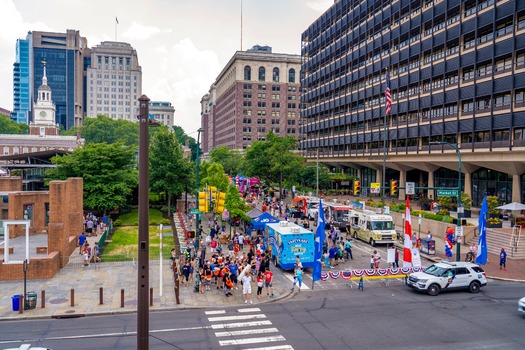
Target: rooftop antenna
x,y
116,25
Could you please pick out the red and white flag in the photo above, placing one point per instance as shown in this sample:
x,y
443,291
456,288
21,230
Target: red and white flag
x,y
407,251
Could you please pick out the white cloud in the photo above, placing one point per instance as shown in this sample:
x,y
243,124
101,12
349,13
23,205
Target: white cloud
x,y
319,5
183,75
139,31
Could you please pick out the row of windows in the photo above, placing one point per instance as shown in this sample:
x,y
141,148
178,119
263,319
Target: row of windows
x,y
274,87
262,104
113,76
263,121
275,74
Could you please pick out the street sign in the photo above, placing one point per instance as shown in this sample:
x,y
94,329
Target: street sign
x,y
447,193
387,210
375,187
410,188
459,231
194,211
419,219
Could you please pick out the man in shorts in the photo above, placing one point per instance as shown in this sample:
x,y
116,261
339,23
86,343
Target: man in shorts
x,y
268,279
247,287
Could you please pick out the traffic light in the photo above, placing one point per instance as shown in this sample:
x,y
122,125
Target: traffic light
x,y
357,188
203,202
394,190
219,204
212,190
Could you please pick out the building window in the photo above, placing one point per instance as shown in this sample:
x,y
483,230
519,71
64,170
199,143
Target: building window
x,y
276,105
262,74
261,87
247,86
291,75
247,73
247,103
275,76
261,104
247,95
276,88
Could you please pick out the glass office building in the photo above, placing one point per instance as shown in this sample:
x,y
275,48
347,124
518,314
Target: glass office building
x,y
22,83
457,76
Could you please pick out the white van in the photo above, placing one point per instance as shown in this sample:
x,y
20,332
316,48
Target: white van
x,y
373,228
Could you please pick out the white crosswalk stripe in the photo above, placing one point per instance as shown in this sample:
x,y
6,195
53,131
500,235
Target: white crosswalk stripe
x,y
252,329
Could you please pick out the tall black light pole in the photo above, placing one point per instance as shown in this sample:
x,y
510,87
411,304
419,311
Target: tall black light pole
x,y
197,161
143,244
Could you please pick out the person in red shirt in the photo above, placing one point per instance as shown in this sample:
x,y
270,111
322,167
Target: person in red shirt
x,y
268,278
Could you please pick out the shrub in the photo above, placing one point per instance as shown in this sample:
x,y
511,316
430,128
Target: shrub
x,y
493,221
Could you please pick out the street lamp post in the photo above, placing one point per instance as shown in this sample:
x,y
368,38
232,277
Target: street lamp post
x,y
460,209
197,161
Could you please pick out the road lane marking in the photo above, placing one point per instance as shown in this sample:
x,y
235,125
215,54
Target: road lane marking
x,y
241,324
278,347
235,318
251,340
246,332
215,312
253,309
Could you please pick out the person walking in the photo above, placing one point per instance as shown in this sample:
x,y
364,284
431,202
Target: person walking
x,y
348,248
247,287
260,284
503,259
332,253
377,259
81,241
268,281
298,278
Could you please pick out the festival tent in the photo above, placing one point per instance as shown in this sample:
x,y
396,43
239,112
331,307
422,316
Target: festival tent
x,y
259,222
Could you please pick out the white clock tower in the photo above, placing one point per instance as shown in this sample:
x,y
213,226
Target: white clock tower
x,y
44,122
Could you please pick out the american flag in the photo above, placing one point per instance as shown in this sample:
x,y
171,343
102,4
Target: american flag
x,y
388,96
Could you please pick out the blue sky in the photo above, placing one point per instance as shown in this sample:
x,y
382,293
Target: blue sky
x,y
182,44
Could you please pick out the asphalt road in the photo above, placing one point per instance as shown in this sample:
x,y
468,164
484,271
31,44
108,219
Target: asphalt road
x,y
379,317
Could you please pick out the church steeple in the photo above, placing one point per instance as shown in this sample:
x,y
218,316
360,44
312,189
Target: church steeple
x,y
44,110
44,78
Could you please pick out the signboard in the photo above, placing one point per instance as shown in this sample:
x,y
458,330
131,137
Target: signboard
x,y
375,187
194,211
447,193
387,210
459,231
410,188
419,219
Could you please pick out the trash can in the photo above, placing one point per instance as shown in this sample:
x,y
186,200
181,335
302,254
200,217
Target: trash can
x,y
31,299
428,246
15,302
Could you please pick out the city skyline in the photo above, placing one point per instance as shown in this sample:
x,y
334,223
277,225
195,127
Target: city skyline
x,y
193,46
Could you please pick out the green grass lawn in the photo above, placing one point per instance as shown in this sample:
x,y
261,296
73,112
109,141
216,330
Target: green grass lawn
x,y
132,218
124,242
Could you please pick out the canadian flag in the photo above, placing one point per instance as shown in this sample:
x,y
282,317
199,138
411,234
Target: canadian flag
x,y
407,251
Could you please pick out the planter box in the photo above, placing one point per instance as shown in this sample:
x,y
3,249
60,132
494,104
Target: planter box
x,y
500,225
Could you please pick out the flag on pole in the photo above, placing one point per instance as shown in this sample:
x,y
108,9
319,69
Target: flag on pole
x,y
482,254
388,96
116,20
407,251
319,239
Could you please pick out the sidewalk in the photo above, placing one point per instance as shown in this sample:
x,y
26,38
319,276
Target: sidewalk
x,y
113,277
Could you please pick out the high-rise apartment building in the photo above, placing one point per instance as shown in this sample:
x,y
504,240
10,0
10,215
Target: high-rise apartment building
x,y
255,93
457,76
113,81
163,112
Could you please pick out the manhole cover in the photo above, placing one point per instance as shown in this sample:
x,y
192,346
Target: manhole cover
x,y
58,301
447,305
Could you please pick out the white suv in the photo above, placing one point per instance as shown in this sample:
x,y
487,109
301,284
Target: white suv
x,y
448,276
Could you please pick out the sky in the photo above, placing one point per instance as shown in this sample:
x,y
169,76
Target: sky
x,y
182,45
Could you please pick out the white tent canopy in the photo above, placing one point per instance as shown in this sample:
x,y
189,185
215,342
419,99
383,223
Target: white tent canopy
x,y
512,206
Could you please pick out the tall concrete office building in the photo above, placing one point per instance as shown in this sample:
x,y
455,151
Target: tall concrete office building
x,y
64,54
162,111
457,76
113,81
255,93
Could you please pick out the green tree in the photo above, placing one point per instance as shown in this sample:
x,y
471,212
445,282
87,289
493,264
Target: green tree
x,y
8,126
235,205
169,172
231,160
109,173
213,175
183,139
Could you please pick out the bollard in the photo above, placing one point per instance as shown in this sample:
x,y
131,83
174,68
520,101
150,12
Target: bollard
x,y
72,297
21,304
101,296
43,299
151,297
122,298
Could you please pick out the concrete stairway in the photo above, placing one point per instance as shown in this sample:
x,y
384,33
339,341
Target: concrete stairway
x,y
497,239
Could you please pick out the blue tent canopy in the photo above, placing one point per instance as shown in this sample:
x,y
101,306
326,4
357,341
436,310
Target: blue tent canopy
x,y
259,222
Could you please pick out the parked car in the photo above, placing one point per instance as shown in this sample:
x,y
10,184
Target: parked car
x,y
448,276
521,305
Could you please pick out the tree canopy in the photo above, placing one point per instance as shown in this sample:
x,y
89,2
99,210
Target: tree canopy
x,y
108,170
169,172
8,126
231,160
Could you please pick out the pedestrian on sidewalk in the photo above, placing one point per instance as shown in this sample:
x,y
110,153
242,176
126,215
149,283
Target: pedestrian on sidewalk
x,y
298,278
348,248
332,255
81,241
503,259
186,272
260,284
377,259
268,281
247,287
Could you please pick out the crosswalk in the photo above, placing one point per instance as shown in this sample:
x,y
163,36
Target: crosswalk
x,y
252,328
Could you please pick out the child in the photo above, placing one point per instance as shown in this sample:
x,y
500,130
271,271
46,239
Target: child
x,y
260,283
372,262
326,258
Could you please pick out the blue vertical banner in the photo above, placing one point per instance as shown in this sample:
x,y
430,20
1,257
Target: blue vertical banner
x,y
319,239
482,254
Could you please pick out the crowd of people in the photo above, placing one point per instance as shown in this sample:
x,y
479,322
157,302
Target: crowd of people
x,y
93,227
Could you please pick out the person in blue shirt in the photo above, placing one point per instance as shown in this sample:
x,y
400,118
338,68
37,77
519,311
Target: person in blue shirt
x,y
81,241
503,259
233,270
332,253
298,278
